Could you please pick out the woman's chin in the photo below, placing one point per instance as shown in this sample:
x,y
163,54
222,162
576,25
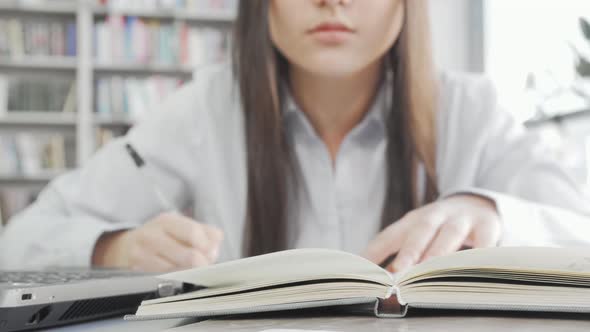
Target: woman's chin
x,y
335,69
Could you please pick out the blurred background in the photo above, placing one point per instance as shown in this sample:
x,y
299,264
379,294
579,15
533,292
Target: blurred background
x,y
75,74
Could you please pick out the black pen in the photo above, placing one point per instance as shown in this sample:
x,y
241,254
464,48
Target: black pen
x,y
140,163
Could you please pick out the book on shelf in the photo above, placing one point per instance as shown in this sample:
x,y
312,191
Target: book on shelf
x,y
3,95
70,102
37,37
34,154
132,40
130,97
25,94
155,5
504,279
27,155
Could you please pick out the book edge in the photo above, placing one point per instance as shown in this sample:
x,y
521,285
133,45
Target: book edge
x,y
254,310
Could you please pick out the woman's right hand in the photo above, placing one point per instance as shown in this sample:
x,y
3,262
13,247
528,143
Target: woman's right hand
x,y
168,242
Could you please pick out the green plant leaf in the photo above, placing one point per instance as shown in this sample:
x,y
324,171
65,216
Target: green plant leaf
x,y
585,27
583,67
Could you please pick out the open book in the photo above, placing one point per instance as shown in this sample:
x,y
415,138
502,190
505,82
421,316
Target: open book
x,y
527,279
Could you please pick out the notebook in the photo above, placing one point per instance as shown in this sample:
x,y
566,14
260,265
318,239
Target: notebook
x,y
507,279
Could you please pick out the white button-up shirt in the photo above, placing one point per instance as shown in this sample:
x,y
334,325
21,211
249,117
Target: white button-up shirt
x,y
340,202
195,151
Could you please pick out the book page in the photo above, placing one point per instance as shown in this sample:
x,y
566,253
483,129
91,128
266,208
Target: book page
x,y
573,263
279,268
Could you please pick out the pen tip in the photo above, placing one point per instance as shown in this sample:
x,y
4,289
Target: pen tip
x,y
139,162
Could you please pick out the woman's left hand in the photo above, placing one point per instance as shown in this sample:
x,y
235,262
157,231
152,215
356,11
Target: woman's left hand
x,y
437,229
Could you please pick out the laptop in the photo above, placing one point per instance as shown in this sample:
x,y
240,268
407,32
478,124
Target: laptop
x,y
41,299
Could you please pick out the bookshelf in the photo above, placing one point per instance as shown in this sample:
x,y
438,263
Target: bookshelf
x,y
114,121
43,8
67,64
45,122
84,69
30,181
141,69
219,16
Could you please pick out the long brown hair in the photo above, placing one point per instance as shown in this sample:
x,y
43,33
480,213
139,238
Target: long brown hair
x,y
260,68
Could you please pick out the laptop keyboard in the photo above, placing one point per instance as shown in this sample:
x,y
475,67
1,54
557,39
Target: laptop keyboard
x,y
50,278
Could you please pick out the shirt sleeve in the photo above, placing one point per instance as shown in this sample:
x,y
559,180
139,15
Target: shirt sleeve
x,y
487,153
108,193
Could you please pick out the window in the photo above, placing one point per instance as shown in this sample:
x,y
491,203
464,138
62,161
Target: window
x,y
529,54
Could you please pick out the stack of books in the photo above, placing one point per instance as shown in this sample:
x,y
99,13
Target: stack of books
x,y
129,39
21,37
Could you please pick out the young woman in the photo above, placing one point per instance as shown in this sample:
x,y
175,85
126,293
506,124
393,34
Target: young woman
x,y
330,129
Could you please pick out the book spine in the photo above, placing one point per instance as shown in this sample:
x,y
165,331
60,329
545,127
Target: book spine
x,y
16,36
69,105
102,97
29,154
71,40
27,37
42,41
184,44
115,39
3,95
129,39
390,308
117,96
4,38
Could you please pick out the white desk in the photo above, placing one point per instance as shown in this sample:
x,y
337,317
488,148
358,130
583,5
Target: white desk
x,y
370,324
479,323
118,324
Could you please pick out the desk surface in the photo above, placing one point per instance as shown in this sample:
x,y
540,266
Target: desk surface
x,y
355,324
452,323
118,324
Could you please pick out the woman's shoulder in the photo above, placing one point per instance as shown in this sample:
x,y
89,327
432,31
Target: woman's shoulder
x,y
211,88
205,101
468,110
211,91
465,85
466,96
214,78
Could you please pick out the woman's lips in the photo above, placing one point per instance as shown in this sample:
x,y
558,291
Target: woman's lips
x,y
331,33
